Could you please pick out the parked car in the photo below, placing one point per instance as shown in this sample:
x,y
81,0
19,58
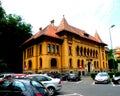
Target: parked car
x,y
5,76
64,76
19,75
22,87
52,84
102,77
116,79
53,75
73,77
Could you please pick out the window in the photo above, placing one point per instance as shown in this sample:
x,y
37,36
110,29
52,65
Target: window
x,y
81,51
42,78
19,85
70,50
57,49
53,48
40,49
29,64
103,55
77,51
78,63
84,51
48,48
36,84
30,52
40,63
70,62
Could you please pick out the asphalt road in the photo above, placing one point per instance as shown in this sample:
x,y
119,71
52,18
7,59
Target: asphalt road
x,y
87,87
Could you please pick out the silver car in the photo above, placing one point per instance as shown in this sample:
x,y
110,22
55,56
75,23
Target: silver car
x,y
116,79
102,77
52,84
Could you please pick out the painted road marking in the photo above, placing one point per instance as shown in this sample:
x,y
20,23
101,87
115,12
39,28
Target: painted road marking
x,y
74,94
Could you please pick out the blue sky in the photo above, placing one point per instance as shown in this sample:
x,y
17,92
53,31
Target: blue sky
x,y
88,15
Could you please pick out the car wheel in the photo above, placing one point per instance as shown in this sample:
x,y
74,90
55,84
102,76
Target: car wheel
x,y
118,81
51,91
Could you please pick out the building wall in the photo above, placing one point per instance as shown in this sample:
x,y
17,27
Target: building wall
x,y
40,61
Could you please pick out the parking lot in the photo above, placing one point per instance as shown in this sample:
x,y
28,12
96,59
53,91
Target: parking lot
x,y
87,87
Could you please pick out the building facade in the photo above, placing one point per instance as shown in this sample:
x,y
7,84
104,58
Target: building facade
x,y
62,49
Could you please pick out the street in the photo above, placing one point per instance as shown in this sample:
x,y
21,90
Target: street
x,y
87,87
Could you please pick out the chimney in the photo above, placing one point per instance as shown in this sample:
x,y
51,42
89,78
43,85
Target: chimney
x,y
52,22
40,28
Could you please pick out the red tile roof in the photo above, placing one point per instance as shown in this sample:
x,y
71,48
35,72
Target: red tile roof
x,y
118,52
65,26
52,31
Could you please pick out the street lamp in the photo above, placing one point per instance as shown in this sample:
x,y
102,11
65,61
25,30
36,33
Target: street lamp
x,y
112,47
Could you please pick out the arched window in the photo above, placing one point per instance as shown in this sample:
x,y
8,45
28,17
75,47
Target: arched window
x,y
84,51
81,51
40,49
95,65
78,63
29,64
96,54
82,62
77,50
40,63
91,52
53,63
70,63
88,52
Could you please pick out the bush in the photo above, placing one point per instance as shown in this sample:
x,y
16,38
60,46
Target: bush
x,y
93,74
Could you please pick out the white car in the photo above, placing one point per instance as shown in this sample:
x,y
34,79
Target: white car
x,y
116,79
52,84
102,77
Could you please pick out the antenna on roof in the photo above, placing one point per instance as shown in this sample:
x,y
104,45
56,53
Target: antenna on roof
x,y
63,16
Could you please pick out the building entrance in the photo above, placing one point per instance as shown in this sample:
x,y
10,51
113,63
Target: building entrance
x,y
89,65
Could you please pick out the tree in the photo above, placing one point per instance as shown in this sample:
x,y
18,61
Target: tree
x,y
13,32
3,66
111,60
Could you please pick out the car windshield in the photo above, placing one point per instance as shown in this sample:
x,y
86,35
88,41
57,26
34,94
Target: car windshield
x,y
72,75
36,84
102,74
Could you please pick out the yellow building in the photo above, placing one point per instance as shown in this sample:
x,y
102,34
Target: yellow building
x,y
64,48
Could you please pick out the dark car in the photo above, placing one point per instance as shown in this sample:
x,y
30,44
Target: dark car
x,y
116,79
22,87
64,76
73,77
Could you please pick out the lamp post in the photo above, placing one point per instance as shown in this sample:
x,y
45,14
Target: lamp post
x,y
112,48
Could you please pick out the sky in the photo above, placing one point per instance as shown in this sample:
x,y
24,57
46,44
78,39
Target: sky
x,y
89,15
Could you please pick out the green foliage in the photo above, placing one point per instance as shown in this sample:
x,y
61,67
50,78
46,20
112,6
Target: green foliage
x,y
3,66
93,74
13,32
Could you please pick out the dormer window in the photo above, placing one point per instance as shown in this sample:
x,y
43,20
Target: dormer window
x,y
85,34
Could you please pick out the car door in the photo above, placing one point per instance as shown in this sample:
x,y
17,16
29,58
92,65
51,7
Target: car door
x,y
7,89
43,79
